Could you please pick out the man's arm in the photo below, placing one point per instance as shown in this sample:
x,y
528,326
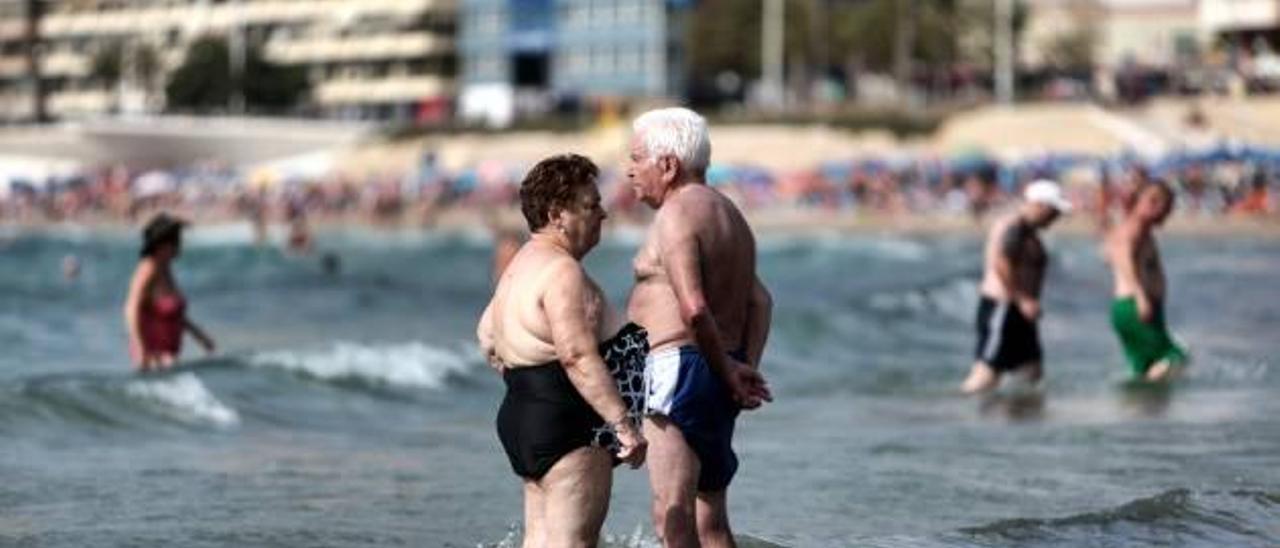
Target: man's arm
x,y
1124,258
1011,251
679,247
759,320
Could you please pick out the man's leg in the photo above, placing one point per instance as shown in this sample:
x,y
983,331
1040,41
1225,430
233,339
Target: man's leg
x,y
673,476
1161,371
534,515
1032,372
576,494
982,378
713,520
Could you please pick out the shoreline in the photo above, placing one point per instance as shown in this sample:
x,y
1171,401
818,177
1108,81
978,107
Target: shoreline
x,y
767,223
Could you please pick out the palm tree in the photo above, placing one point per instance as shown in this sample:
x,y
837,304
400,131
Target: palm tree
x,y
146,68
107,69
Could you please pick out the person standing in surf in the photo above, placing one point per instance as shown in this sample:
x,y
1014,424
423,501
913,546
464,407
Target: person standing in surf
x,y
155,311
1137,311
1014,265
540,331
707,313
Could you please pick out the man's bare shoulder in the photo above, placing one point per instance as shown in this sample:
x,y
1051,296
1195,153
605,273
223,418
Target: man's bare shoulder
x,y
680,213
1001,224
1125,233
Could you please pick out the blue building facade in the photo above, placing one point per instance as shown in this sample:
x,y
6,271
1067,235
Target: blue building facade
x,y
513,49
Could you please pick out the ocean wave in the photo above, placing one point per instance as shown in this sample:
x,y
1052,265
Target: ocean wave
x,y
229,234
1178,517
114,401
639,537
954,299
413,365
185,398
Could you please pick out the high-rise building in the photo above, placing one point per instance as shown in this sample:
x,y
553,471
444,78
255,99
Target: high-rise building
x,y
1252,24
523,56
366,59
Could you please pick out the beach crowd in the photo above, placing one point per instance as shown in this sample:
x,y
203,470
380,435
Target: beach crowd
x,y
1227,179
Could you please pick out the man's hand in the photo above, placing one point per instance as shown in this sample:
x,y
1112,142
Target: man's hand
x,y
747,385
634,446
1030,308
1145,312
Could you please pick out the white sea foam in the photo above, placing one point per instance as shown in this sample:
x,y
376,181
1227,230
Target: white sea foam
x,y
219,235
412,364
184,397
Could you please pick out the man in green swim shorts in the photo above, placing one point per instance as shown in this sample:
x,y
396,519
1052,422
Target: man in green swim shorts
x,y
1137,312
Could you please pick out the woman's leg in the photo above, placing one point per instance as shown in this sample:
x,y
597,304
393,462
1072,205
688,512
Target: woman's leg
x,y
576,492
534,516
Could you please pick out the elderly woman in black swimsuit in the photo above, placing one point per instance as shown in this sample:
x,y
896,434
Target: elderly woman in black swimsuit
x,y
541,331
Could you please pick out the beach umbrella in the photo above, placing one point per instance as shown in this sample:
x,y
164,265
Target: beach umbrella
x,y
972,161
494,174
872,166
838,170
720,174
755,176
465,181
153,183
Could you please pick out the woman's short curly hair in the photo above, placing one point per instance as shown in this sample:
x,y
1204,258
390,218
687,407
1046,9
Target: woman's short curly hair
x,y
553,185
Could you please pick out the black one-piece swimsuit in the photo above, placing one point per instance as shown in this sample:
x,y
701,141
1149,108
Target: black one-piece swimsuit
x,y
543,417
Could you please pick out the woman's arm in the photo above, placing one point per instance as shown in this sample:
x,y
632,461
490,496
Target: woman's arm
x,y
138,287
484,334
566,304
200,335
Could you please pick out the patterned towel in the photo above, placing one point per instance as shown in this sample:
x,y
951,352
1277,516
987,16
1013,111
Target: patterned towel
x,y
625,354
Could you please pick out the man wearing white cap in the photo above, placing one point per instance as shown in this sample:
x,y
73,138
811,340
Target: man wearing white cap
x,y
1013,274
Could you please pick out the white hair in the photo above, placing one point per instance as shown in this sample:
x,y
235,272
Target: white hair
x,y
679,132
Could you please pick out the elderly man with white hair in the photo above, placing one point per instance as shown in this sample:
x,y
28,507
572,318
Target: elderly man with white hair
x,y
707,314
1013,274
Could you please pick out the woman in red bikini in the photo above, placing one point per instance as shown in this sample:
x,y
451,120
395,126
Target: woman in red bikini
x,y
155,311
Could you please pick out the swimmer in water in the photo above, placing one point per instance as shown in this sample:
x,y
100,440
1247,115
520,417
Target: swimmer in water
x,y
155,312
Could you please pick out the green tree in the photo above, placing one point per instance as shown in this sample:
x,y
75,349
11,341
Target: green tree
x,y
725,34
146,65
106,69
107,65
273,87
975,30
1075,48
204,83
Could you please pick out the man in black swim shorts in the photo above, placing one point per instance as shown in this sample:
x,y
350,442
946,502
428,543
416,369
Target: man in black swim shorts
x,y
1009,304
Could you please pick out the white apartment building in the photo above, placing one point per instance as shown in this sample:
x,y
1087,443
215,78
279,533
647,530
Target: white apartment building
x,y
1240,15
1159,33
366,59
1252,24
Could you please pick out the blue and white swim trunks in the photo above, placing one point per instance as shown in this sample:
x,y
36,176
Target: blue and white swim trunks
x,y
680,385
